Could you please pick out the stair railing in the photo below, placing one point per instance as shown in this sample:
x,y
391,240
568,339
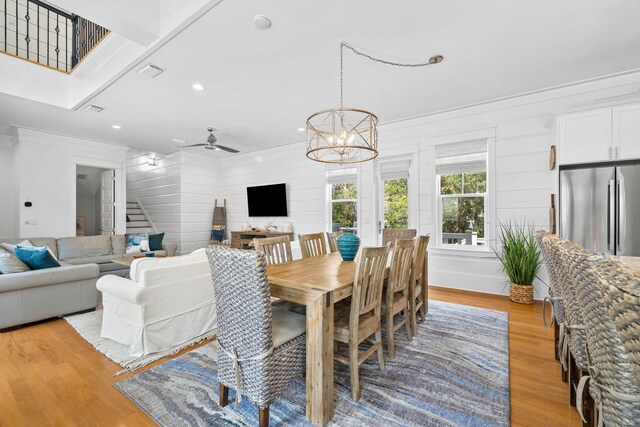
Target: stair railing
x,y
45,35
146,215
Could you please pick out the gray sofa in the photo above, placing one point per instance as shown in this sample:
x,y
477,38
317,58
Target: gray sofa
x,y
41,294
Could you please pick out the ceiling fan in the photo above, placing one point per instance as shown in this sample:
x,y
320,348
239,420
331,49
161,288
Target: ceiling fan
x,y
211,144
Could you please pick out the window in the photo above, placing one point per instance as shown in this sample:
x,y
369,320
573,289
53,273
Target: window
x,y
461,170
343,200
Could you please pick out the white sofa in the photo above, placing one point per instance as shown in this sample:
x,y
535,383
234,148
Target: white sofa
x,y
166,302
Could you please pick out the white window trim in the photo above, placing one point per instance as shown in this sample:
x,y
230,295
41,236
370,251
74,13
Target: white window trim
x,y
487,250
329,201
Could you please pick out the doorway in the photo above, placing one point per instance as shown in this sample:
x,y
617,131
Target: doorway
x,y
395,195
95,195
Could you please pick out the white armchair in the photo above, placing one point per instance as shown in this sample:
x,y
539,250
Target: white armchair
x,y
166,302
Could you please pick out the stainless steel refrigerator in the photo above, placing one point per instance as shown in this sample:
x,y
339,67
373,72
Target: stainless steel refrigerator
x,y
600,206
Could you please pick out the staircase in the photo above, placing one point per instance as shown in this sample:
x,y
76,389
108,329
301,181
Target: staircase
x,y
138,221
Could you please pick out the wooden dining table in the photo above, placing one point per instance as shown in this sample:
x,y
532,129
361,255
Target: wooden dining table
x,y
318,283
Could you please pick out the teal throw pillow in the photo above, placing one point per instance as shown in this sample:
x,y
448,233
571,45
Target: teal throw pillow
x,y
36,257
155,241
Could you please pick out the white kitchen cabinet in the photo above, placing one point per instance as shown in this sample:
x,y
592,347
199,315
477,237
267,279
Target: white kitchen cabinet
x,y
585,136
626,132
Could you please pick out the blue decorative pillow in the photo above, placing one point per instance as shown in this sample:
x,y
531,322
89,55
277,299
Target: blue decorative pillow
x,y
36,257
155,241
136,243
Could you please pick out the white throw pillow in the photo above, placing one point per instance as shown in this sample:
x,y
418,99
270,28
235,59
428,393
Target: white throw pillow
x,y
12,248
144,245
9,263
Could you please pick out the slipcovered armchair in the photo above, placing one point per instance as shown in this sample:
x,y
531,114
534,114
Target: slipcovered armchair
x,y
166,302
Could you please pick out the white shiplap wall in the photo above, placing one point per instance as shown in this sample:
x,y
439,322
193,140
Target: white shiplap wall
x,y
520,130
200,184
305,186
178,194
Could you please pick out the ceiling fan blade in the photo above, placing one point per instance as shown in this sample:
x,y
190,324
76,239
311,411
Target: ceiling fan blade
x,y
192,145
230,150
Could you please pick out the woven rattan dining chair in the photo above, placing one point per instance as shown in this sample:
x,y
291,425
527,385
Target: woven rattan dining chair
x,y
609,294
396,296
260,350
390,235
555,297
332,238
579,263
360,320
573,338
276,249
312,244
418,288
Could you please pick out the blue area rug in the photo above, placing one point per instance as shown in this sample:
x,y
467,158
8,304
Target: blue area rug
x,y
454,373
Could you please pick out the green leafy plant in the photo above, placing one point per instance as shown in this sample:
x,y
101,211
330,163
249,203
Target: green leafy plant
x,y
520,257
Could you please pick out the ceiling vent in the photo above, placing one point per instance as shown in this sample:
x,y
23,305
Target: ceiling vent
x,y
93,108
82,176
150,70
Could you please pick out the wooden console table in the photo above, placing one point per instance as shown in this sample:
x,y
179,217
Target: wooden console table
x,y
241,239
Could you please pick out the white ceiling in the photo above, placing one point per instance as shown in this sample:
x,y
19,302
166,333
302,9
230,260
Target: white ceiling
x,y
262,85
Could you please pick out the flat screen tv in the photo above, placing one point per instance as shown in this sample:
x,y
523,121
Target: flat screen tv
x,y
267,200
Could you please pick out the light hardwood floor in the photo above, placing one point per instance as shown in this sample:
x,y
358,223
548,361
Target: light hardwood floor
x,y
51,376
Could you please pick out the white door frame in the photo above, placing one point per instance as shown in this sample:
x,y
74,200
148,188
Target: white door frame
x,y
120,205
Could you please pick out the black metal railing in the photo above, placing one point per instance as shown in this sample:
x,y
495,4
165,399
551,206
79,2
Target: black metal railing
x,y
41,33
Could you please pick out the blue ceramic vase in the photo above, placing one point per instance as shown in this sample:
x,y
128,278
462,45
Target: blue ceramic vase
x,y
348,245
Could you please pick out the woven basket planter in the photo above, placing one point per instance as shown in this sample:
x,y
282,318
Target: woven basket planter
x,y
522,294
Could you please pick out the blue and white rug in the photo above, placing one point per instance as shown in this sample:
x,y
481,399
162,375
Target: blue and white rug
x,y
454,373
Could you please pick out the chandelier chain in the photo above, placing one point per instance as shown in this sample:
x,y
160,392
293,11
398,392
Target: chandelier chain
x,y
382,61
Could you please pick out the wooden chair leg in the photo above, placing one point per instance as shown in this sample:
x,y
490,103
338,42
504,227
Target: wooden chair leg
x,y
556,332
573,380
423,307
412,315
354,370
390,338
407,325
378,336
224,395
263,417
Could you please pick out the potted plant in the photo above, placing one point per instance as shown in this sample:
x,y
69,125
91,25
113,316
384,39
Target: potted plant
x,y
520,259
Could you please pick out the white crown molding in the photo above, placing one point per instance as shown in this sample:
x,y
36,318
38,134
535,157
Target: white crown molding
x,y
48,138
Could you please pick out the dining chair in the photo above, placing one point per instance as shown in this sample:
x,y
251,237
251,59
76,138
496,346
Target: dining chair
x,y
609,294
389,235
360,320
573,337
261,349
418,288
276,249
555,297
332,238
312,244
396,296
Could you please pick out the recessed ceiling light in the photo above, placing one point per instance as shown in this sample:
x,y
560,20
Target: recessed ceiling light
x,y
178,141
116,126
300,129
198,87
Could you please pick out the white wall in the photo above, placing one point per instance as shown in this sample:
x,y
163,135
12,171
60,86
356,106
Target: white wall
x,y
520,130
8,193
178,194
46,171
305,186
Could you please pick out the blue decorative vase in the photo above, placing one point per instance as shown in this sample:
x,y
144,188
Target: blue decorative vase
x,y
348,245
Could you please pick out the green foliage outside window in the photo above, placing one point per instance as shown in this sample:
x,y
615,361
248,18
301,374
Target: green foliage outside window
x,y
344,208
460,214
396,203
